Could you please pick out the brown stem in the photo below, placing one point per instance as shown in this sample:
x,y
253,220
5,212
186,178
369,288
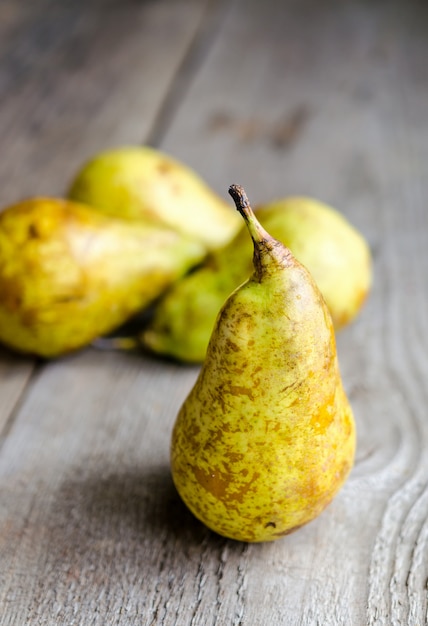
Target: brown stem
x,y
267,250
241,200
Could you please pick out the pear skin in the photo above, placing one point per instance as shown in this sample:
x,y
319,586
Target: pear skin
x,y
266,437
69,274
335,253
143,183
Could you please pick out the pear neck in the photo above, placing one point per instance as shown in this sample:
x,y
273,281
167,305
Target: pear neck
x,y
269,253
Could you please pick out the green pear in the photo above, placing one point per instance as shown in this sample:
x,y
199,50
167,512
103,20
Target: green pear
x,y
335,253
69,274
144,183
266,437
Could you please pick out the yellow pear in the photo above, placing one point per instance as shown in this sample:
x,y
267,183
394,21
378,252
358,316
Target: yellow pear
x,y
266,437
69,273
141,182
335,253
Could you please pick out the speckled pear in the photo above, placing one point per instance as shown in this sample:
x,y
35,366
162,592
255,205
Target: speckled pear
x,y
69,274
144,183
266,437
335,253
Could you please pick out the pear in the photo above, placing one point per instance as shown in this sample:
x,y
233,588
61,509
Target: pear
x,y
335,253
69,273
266,437
141,182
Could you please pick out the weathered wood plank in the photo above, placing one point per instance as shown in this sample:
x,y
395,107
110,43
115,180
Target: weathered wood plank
x,y
15,372
92,530
85,484
75,78
82,77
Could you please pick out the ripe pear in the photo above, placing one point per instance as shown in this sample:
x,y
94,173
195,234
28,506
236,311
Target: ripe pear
x,y
335,253
266,437
69,273
141,182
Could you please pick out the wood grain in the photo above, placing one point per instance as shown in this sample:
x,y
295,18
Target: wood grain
x,y
92,531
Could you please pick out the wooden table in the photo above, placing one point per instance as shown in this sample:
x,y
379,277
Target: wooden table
x,y
328,99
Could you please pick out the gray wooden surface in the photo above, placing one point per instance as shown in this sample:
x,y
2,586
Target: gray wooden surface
x,y
319,98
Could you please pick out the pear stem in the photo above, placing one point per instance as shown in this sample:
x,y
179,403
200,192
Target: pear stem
x,y
240,198
267,250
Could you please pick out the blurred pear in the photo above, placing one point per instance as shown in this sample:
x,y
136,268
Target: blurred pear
x,y
144,183
69,274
